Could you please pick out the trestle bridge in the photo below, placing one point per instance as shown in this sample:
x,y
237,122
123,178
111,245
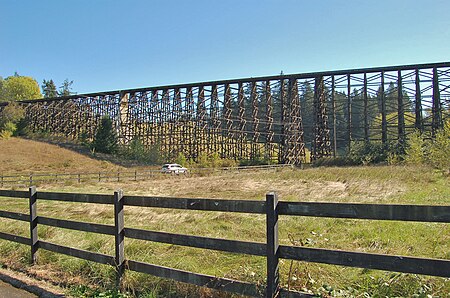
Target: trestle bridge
x,y
277,118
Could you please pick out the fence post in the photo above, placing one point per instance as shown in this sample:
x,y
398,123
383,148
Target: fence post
x,y
272,288
79,178
119,235
31,180
99,176
135,175
33,223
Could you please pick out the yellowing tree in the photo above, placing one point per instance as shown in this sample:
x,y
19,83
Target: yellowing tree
x,y
16,88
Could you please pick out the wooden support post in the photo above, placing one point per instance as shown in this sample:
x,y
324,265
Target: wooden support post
x,y
269,120
33,223
333,106
418,124
282,140
349,113
400,109
31,180
79,178
436,113
272,245
119,235
383,112
366,111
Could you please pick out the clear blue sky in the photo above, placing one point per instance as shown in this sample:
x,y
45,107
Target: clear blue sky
x,y
109,45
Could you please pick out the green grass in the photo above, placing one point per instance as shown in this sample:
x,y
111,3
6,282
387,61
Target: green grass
x,y
382,184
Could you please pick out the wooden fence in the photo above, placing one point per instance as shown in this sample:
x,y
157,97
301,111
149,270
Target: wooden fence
x,y
271,250
34,178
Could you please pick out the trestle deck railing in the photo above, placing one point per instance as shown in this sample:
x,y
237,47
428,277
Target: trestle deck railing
x,y
271,249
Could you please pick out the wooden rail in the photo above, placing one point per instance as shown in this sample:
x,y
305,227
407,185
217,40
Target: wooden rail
x,y
33,178
271,250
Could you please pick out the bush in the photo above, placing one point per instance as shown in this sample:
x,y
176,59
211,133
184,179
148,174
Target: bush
x,y
422,149
211,161
439,148
105,139
333,162
415,152
10,116
8,129
135,150
365,153
153,154
138,152
22,128
181,159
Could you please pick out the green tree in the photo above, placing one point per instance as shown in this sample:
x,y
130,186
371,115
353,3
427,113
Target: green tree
x,y
10,117
49,89
16,88
105,139
66,88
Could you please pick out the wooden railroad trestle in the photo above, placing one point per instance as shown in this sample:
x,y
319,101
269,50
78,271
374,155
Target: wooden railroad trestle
x,y
274,118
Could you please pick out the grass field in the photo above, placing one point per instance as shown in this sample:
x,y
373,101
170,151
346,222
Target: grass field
x,y
383,184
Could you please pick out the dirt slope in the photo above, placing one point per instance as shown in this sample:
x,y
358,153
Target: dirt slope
x,y
26,156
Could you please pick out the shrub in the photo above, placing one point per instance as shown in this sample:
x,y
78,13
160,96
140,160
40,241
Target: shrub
x,y
8,130
421,149
363,152
440,148
137,151
153,154
105,139
181,159
10,116
415,152
333,162
212,161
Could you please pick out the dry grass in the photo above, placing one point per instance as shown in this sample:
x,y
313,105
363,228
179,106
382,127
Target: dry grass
x,y
28,156
402,185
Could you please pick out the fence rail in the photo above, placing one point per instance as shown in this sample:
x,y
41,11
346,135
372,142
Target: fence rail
x,y
271,249
33,178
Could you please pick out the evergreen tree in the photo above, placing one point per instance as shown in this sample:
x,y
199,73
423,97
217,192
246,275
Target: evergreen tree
x,y
66,88
49,89
105,139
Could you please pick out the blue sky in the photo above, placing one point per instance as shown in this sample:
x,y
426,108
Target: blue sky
x,y
110,45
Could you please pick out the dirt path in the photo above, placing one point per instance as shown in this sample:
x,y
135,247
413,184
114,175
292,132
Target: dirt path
x,y
18,285
8,291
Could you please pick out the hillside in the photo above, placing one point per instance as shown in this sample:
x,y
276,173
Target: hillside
x,y
24,156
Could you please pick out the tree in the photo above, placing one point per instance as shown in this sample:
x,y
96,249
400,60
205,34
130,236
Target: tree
x,y
49,89
66,88
105,139
16,88
10,118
